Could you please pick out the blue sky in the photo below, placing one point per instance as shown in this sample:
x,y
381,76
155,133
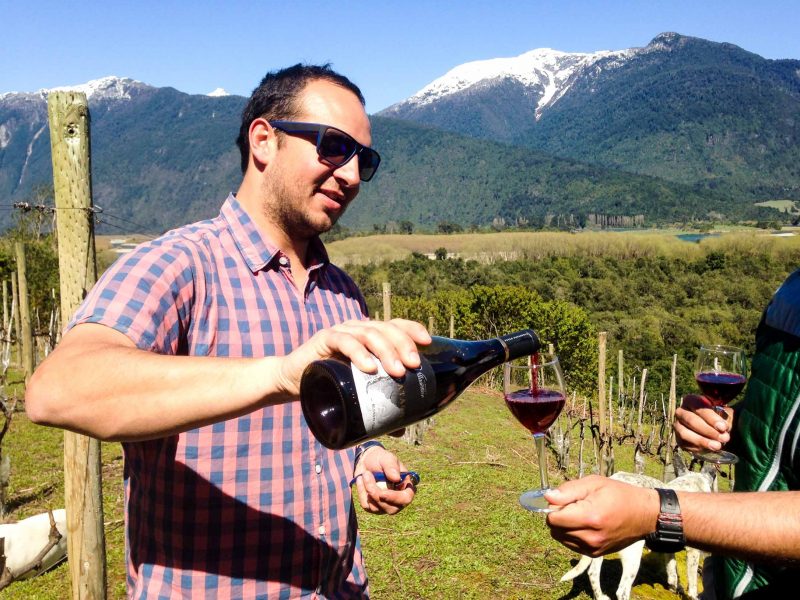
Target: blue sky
x,y
390,49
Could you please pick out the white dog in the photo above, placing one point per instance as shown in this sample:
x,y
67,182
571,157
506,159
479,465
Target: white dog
x,y
25,539
631,556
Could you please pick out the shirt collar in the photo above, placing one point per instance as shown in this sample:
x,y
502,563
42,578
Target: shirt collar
x,y
258,251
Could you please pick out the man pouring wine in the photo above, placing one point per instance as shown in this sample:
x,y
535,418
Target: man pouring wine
x,y
190,350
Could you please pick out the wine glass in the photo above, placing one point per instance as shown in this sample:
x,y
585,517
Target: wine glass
x,y
534,393
720,372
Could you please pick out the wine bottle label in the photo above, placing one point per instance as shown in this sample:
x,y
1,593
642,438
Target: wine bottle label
x,y
386,402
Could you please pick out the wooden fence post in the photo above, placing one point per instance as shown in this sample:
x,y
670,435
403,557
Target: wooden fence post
x,y
15,319
415,432
387,301
452,326
605,458
669,468
638,456
25,327
68,113
5,307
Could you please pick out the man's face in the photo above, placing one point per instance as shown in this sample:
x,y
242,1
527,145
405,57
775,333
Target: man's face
x,y
304,195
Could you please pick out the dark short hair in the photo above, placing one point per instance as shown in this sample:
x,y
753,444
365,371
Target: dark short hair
x,y
275,98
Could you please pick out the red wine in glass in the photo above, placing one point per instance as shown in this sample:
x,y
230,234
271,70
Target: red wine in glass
x,y
537,410
721,387
721,373
534,393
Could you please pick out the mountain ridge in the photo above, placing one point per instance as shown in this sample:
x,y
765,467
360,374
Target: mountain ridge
x,y
528,69
680,130
681,108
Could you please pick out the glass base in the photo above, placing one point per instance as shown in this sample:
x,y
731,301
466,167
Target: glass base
x,y
720,457
534,501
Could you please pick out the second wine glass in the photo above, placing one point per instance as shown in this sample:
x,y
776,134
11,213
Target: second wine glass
x,y
720,372
534,393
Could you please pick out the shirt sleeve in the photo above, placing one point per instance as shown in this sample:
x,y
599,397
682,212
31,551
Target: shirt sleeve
x,y
146,295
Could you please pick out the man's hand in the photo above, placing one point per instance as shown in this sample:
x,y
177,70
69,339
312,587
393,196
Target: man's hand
x,y
596,515
394,343
373,498
698,426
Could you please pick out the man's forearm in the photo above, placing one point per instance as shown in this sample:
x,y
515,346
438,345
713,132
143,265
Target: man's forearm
x,y
750,525
113,391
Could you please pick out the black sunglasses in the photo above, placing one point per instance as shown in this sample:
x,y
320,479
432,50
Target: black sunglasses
x,y
335,147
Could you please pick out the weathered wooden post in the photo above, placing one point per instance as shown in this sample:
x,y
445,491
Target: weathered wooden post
x,y
387,301
452,326
605,457
15,318
620,384
669,468
69,139
415,432
25,327
5,308
638,456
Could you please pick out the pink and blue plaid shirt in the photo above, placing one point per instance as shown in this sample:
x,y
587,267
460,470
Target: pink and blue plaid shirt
x,y
253,507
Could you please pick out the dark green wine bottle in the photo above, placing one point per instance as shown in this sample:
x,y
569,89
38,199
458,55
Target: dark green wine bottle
x,y
344,406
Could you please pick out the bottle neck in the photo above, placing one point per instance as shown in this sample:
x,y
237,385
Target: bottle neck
x,y
520,343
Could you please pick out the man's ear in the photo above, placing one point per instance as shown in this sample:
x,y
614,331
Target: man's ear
x,y
263,141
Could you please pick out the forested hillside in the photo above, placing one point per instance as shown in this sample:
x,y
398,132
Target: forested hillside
x,y
430,176
683,109
653,304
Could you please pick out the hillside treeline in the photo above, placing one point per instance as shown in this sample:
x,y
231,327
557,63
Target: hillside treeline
x,y
653,299
652,306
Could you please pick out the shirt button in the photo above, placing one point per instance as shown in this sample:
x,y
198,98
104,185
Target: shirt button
x,y
322,529
283,261
318,469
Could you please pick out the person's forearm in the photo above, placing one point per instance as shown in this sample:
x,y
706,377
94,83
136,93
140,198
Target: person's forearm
x,y
120,393
750,525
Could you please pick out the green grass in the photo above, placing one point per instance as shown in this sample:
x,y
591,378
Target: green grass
x,y
464,536
534,245
788,206
37,484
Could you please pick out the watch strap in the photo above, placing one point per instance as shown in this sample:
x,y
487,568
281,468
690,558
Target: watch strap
x,y
363,447
668,536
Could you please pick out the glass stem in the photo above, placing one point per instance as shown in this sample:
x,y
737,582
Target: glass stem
x,y
538,439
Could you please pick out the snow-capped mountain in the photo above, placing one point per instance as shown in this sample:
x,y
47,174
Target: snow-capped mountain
x,y
547,72
105,88
670,131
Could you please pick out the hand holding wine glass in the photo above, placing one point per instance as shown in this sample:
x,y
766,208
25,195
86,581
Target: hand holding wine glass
x,y
534,393
721,373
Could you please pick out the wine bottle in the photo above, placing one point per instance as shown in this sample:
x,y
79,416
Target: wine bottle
x,y
344,406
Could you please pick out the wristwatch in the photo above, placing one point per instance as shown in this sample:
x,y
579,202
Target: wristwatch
x,y
668,536
363,447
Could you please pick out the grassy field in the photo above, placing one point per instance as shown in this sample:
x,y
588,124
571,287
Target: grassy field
x,y
464,536
491,247
788,206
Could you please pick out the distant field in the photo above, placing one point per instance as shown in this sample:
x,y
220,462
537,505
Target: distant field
x,y
490,247
787,206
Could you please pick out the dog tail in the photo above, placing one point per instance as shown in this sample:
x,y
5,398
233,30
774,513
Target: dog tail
x,y
582,565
